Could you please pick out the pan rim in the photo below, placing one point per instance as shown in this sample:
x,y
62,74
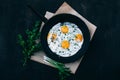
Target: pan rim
x,y
46,29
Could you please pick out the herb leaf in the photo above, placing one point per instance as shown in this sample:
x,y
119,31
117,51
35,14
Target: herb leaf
x,y
29,45
64,72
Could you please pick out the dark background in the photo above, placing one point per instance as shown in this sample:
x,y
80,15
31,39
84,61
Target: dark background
x,y
102,59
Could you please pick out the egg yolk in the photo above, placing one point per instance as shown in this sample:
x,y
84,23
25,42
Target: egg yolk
x,y
64,29
54,36
65,44
78,37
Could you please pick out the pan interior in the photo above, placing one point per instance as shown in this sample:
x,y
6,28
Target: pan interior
x,y
65,39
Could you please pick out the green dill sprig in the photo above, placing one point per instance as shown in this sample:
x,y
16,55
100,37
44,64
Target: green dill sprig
x,y
64,72
29,45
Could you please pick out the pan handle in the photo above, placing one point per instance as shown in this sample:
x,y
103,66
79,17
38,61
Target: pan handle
x,y
39,15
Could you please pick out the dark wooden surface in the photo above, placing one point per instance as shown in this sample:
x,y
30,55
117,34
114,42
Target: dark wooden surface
x,y
102,60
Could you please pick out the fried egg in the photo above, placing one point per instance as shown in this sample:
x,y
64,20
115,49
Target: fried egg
x,y
65,39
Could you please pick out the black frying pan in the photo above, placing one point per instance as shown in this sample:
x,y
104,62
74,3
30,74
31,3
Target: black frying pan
x,y
63,18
